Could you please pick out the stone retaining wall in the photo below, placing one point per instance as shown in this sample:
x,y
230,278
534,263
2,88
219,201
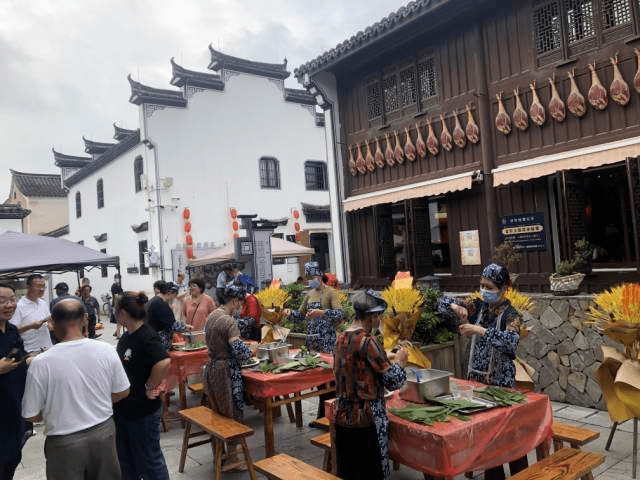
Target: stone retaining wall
x,y
564,352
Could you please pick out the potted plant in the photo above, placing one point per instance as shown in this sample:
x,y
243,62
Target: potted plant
x,y
565,280
583,255
507,254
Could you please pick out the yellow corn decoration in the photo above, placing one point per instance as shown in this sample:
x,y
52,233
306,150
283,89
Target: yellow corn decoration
x,y
407,300
631,302
521,302
272,297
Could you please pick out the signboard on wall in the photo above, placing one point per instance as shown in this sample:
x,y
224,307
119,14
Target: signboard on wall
x,y
470,247
525,231
262,256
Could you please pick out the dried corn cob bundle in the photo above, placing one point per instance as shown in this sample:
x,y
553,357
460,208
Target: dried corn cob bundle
x,y
272,297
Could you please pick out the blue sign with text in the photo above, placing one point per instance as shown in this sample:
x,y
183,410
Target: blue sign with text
x,y
525,231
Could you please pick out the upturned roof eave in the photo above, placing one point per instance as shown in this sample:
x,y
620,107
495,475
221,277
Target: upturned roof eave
x,y
221,60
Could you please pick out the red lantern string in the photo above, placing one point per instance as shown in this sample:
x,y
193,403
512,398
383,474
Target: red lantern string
x,y
296,214
296,226
186,213
235,226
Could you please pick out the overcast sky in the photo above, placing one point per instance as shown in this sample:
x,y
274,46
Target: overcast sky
x,y
64,63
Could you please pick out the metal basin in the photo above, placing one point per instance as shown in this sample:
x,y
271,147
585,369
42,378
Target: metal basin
x,y
275,352
428,382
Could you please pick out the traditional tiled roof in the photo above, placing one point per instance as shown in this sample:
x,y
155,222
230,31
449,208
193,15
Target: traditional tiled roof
x,y
142,94
13,211
122,133
64,160
220,61
299,96
114,152
141,227
96,148
38,184
101,238
316,213
182,77
58,232
403,16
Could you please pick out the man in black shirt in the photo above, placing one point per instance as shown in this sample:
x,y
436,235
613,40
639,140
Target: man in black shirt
x,y
116,291
92,307
13,372
159,314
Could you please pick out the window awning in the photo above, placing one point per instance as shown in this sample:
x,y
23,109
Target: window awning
x,y
429,188
581,158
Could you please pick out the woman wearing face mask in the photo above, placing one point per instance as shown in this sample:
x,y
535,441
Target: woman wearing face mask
x,y
227,353
494,327
362,372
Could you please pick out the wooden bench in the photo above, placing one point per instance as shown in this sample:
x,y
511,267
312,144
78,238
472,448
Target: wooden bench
x,y
322,423
574,436
220,430
284,467
324,441
565,464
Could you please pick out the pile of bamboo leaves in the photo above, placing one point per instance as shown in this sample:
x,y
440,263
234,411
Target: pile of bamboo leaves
x,y
305,363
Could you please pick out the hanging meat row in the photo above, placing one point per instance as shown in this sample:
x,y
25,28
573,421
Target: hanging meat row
x,y
395,153
598,98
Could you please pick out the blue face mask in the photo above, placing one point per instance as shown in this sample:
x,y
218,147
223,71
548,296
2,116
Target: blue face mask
x,y
315,283
490,296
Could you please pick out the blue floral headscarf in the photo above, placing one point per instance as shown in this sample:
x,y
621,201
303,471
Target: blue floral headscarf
x,y
497,273
312,269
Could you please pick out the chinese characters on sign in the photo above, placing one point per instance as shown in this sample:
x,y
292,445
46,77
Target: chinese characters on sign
x,y
470,247
525,231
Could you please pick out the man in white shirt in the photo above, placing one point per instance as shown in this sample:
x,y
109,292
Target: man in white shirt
x,y
31,316
73,386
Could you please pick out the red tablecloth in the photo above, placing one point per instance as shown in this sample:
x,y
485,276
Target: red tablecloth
x,y
490,438
184,364
263,385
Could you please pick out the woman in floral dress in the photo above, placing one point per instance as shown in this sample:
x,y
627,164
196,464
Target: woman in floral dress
x,y
362,372
494,327
227,353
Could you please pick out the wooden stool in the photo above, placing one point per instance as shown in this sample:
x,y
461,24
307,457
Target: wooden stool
x,y
284,467
574,436
322,423
221,429
199,388
324,441
565,464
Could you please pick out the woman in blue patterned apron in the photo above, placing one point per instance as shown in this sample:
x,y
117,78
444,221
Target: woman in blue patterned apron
x,y
322,310
362,372
494,327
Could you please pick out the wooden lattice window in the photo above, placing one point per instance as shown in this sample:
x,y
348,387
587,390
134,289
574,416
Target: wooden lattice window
x,y
408,88
100,193
269,173
138,171
616,12
78,205
315,174
579,14
374,101
427,78
390,93
546,23
142,252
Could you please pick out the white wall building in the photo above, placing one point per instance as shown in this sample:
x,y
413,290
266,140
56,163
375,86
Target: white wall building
x,y
233,139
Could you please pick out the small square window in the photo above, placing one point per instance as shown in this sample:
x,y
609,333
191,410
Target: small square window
x,y
315,174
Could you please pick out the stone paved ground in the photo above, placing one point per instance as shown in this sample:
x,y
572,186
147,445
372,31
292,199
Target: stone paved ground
x,y
295,442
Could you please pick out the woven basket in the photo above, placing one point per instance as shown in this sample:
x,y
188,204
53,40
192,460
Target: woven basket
x,y
566,284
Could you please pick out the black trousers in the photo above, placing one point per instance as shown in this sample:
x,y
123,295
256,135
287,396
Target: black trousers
x,y
358,453
497,473
7,470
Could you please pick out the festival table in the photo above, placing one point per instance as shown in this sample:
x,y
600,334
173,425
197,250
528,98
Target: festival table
x,y
266,386
183,365
491,438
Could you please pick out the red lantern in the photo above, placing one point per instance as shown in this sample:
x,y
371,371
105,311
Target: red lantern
x,y
235,226
189,251
186,213
189,240
236,235
187,226
234,213
296,214
298,237
296,226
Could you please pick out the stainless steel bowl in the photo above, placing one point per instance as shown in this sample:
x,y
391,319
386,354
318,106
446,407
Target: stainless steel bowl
x,y
425,383
275,352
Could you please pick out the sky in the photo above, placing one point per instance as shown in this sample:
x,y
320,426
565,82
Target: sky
x,y
64,63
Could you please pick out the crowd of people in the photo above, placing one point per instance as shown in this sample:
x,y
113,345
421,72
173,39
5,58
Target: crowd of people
x,y
101,407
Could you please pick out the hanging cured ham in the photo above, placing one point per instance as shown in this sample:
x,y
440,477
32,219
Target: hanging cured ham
x,y
575,101
556,105
472,130
368,159
360,163
432,140
446,140
459,138
503,121
379,156
536,111
352,163
388,153
520,116
619,88
398,152
598,97
636,79
409,148
421,146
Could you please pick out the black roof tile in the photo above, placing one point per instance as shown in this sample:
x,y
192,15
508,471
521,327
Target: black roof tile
x,y
220,61
38,184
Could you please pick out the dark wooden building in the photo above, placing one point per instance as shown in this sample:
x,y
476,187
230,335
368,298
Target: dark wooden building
x,y
545,185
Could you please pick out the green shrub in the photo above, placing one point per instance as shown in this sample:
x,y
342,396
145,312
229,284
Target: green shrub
x,y
431,328
564,268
